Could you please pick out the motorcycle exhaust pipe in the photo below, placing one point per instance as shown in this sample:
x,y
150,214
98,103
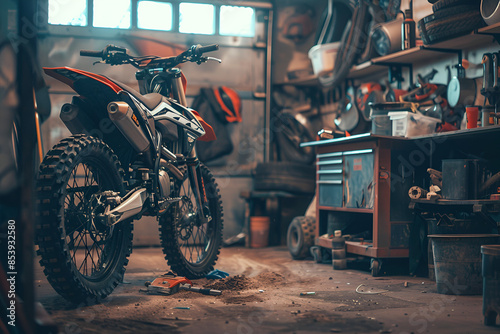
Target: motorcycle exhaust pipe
x,y
76,121
123,117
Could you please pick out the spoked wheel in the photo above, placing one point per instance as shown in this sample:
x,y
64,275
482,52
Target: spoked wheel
x,y
84,258
191,247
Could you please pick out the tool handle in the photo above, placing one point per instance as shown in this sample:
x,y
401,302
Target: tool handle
x,y
209,292
487,70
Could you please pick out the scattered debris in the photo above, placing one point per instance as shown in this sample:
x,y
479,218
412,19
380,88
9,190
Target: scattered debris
x,y
432,196
177,319
182,308
232,283
369,292
261,291
434,189
405,284
307,293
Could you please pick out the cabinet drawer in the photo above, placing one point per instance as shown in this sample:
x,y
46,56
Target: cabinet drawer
x,y
330,179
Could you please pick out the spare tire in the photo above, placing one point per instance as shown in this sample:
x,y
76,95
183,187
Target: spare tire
x,y
443,4
449,23
300,236
285,176
447,14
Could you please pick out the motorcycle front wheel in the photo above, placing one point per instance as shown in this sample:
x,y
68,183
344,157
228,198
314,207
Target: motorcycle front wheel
x,y
84,259
191,247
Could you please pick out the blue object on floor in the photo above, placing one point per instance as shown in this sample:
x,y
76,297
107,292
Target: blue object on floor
x,y
217,274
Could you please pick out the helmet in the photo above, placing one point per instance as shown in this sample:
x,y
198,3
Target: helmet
x,y
230,103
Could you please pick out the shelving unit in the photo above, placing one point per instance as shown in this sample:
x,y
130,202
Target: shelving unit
x,y
410,57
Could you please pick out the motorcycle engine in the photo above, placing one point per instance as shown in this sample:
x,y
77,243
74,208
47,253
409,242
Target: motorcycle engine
x,y
164,183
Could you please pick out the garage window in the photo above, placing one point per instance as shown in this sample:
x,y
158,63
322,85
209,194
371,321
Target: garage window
x,y
237,21
154,15
112,13
60,12
196,18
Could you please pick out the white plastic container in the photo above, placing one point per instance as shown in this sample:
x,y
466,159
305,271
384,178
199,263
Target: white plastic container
x,y
323,57
409,124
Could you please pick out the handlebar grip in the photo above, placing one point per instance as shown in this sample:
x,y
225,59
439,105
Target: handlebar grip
x,y
91,53
208,48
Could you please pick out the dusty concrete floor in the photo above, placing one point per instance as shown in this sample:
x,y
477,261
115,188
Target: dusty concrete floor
x,y
335,307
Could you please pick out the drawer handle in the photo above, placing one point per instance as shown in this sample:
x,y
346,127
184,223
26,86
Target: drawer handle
x,y
330,182
329,162
331,171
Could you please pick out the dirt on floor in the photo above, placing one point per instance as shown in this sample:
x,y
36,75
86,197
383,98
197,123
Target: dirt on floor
x,y
267,292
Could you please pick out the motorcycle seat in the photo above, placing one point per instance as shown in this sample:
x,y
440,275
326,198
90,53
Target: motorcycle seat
x,y
150,100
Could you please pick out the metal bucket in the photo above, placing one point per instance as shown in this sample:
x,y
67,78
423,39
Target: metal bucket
x,y
457,261
491,283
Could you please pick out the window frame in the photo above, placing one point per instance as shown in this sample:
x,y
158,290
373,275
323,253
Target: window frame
x,y
82,31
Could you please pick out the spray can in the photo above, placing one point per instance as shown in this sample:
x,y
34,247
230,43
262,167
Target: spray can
x,y
408,31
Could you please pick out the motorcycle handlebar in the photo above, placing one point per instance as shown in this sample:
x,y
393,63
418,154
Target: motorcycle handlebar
x,y
208,48
91,53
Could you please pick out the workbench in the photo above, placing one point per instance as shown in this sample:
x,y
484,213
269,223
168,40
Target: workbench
x,y
365,178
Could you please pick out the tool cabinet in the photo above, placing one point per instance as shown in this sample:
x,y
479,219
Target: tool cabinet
x,y
365,178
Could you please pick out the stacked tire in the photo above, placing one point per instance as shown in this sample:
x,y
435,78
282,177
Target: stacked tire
x,y
339,260
451,18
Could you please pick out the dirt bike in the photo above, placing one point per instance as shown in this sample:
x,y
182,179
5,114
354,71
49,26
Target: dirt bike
x,y
131,154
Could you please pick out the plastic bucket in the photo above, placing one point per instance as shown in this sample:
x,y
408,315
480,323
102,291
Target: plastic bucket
x,y
457,261
259,231
491,283
323,57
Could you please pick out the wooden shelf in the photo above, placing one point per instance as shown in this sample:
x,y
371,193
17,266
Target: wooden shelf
x,y
344,209
308,81
493,29
366,69
420,54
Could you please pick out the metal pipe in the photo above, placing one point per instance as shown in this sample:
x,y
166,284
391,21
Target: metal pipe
x,y
267,110
25,63
123,117
178,90
167,154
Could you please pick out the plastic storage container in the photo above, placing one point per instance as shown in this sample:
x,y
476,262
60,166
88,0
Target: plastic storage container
x,y
323,57
409,124
379,114
457,261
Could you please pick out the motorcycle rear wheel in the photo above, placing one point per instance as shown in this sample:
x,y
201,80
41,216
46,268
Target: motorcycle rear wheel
x,y
83,258
191,249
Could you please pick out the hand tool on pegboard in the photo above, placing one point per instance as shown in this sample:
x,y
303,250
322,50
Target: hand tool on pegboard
x,y
170,284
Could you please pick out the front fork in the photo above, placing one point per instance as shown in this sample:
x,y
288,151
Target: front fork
x,y
198,188
194,172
